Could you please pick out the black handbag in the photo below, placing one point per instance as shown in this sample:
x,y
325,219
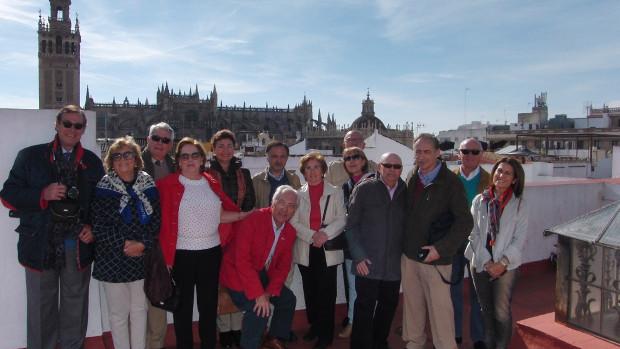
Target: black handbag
x,y
171,303
337,243
159,286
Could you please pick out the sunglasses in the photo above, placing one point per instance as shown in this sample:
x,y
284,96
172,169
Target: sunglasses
x,y
69,124
469,151
128,155
164,140
194,156
352,157
394,166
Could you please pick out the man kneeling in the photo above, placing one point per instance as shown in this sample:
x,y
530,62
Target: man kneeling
x,y
255,267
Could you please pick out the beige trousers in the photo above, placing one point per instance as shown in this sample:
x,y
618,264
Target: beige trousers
x,y
425,294
127,313
156,327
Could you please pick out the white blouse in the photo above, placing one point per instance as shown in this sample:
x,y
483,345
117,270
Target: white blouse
x,y
199,216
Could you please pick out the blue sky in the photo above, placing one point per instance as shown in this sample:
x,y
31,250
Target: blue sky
x,y
423,61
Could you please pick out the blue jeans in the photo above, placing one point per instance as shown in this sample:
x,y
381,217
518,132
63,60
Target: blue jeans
x,y
253,325
476,324
495,297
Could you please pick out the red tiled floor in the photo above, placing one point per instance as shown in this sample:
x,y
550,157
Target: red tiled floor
x,y
533,296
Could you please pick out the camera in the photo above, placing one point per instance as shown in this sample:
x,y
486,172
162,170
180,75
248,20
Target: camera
x,y
73,193
422,253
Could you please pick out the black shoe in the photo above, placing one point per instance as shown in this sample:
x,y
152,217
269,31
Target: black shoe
x,y
310,336
345,321
458,340
320,345
479,345
292,337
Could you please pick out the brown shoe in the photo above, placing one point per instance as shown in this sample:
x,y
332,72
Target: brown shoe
x,y
273,343
346,331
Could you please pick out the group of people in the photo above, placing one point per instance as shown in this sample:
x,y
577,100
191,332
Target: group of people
x,y
217,226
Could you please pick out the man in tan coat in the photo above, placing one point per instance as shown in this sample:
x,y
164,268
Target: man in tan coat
x,y
266,182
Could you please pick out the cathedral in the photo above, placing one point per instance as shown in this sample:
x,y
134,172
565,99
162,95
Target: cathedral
x,y
190,113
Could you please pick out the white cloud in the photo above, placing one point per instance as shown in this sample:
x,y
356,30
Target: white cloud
x,y
23,12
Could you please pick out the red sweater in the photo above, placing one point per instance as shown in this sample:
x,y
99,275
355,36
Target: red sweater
x,y
170,193
248,254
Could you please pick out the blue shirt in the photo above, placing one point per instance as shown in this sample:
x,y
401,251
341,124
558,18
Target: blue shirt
x,y
427,179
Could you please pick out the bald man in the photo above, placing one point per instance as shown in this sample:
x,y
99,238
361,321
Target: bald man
x,y
375,229
336,174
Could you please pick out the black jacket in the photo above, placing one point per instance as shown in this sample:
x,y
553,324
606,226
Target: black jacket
x,y
375,227
441,205
32,171
229,183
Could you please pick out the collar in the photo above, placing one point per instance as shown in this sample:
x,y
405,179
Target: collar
x,y
471,176
429,177
278,178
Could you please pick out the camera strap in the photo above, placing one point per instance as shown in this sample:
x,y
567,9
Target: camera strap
x,y
451,283
325,210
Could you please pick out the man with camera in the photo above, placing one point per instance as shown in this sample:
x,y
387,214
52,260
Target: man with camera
x,y
50,188
438,223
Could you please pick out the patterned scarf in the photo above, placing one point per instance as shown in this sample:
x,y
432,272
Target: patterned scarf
x,y
495,207
113,185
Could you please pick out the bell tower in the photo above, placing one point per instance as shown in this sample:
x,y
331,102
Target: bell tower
x,y
59,58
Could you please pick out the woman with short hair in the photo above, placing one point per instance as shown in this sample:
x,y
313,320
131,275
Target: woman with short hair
x,y
320,217
495,248
126,216
193,206
237,185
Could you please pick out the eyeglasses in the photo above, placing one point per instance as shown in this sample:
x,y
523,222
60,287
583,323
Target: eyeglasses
x,y
194,156
69,124
352,157
468,151
394,166
164,140
128,155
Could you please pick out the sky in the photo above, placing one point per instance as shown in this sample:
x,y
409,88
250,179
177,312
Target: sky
x,y
436,64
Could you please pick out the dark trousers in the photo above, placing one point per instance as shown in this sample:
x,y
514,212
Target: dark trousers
x,y
476,324
375,306
319,284
495,297
201,270
50,320
254,325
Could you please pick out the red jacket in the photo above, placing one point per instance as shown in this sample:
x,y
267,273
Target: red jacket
x,y
248,254
170,193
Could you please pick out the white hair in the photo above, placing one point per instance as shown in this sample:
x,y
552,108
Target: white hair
x,y
161,126
284,189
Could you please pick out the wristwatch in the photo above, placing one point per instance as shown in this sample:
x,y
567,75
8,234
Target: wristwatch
x,y
504,261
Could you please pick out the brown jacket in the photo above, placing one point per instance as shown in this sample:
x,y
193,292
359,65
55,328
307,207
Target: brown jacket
x,y
262,187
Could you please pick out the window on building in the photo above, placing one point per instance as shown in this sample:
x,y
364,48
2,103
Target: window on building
x,y
59,14
58,45
43,46
66,47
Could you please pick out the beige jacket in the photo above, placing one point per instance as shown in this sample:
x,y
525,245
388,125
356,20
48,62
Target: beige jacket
x,y
262,186
337,175
335,218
